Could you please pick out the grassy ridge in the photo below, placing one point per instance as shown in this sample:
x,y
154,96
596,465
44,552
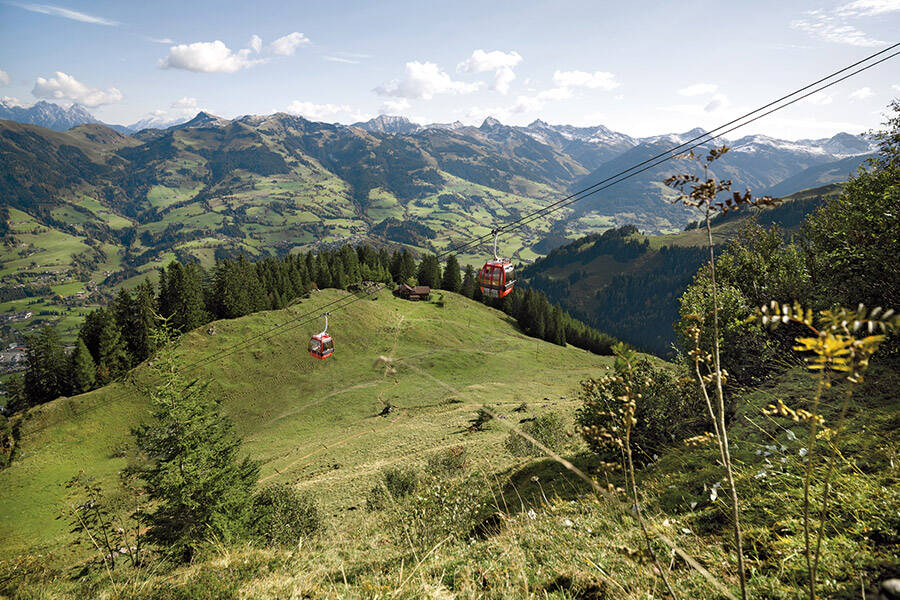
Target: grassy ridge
x,y
311,423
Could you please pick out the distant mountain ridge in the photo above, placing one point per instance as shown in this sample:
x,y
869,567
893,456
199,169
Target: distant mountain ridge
x,y
47,114
394,162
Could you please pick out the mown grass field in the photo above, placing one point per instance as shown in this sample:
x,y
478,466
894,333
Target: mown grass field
x,y
312,423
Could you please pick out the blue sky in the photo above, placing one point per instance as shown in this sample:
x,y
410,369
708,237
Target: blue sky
x,y
639,67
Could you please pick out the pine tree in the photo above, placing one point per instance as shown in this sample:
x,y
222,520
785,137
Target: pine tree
x,y
16,397
323,272
198,486
429,272
122,308
339,276
394,265
181,299
237,290
557,329
451,281
45,378
468,283
112,355
142,323
407,270
82,370
90,331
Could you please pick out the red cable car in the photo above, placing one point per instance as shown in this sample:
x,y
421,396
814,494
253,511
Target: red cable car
x,y
321,345
497,277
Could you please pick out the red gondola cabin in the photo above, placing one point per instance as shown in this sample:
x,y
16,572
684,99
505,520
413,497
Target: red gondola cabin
x,y
497,278
321,345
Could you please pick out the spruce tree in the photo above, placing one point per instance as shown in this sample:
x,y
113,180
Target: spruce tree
x,y
451,281
394,265
429,272
90,331
339,276
181,299
112,355
198,486
16,397
82,370
407,270
141,323
45,378
468,283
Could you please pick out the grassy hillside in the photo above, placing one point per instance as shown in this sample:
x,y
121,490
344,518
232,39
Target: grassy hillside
x,y
553,539
311,423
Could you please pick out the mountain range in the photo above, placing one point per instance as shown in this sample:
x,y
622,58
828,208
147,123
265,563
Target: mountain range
x,y
260,184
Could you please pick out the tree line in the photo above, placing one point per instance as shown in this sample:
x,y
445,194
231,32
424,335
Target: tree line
x,y
119,336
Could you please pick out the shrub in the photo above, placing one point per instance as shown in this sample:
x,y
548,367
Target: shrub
x,y
396,483
548,429
284,515
667,411
448,462
442,509
400,482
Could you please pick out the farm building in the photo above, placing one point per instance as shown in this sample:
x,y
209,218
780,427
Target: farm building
x,y
407,292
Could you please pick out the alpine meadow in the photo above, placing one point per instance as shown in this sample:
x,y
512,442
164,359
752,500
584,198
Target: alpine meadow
x,y
450,301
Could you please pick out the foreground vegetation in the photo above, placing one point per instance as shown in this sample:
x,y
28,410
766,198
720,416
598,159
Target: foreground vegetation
x,y
762,463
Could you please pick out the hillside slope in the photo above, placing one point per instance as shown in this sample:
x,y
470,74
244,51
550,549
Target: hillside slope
x,y
311,423
628,284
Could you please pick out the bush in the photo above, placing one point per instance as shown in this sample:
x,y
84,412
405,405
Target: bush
x,y
667,411
442,509
400,482
548,429
284,515
396,483
448,462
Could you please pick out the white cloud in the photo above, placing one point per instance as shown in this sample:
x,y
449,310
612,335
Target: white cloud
x,y
341,59
819,99
325,112
207,57
501,63
65,13
10,101
287,45
833,26
394,107
868,8
862,93
4,77
68,89
718,102
481,61
895,87
424,80
596,80
167,41
702,111
698,89
502,78
185,103
256,43
820,27
565,81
